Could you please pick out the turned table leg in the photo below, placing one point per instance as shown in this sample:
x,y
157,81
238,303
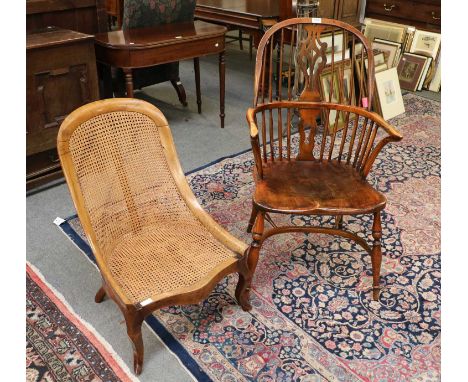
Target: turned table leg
x,y
129,82
222,77
196,65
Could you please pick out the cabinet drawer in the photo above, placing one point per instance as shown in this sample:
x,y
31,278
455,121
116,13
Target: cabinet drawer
x,y
407,11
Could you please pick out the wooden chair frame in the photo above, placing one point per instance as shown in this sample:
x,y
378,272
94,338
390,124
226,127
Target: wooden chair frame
x,y
135,313
365,141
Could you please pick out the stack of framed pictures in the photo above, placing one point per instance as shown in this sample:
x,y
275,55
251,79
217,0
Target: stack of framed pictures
x,y
388,100
415,53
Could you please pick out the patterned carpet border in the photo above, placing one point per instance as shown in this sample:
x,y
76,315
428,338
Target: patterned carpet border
x,y
82,329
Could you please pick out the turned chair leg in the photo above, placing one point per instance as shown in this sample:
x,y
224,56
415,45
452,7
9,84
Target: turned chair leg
x,y
253,216
101,293
241,41
134,322
252,253
376,255
339,221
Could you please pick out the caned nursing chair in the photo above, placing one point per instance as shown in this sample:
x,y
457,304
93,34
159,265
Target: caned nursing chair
x,y
323,82
154,244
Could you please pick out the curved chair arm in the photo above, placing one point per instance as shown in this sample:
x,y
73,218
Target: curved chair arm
x,y
367,156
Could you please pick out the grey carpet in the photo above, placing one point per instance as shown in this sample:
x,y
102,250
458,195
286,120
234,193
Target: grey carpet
x,y
199,140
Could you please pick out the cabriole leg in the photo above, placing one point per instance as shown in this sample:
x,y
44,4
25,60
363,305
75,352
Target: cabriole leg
x,y
134,321
376,254
244,284
252,253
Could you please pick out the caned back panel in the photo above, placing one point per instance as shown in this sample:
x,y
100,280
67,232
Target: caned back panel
x,y
124,177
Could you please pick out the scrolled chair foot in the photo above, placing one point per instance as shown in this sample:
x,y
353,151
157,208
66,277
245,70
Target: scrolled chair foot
x,y
100,295
243,292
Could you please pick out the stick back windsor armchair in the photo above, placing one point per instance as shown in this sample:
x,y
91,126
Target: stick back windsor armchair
x,y
154,244
324,80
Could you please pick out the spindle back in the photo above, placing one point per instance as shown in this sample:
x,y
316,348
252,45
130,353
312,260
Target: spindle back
x,y
356,144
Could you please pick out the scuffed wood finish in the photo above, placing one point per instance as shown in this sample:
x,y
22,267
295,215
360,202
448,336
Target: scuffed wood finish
x,y
146,47
338,141
135,313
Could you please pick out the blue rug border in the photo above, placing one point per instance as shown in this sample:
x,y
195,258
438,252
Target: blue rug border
x,y
168,339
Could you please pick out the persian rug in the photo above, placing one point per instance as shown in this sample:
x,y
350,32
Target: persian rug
x,y
59,345
313,318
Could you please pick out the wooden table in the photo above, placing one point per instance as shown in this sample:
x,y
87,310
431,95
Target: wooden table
x,y
145,47
248,15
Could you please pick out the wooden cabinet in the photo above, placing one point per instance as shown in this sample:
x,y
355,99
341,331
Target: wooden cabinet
x,y
423,14
60,76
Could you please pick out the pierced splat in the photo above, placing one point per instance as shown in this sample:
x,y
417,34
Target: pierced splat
x,y
311,59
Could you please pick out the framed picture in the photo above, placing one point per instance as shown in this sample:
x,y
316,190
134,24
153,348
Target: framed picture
x,y
389,93
343,91
392,49
426,43
379,59
381,68
342,88
333,43
425,72
434,86
387,31
410,70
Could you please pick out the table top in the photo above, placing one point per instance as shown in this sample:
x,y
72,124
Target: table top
x,y
257,8
51,36
167,34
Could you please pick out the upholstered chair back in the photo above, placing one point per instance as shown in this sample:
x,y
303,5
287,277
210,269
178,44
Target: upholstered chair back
x,y
149,13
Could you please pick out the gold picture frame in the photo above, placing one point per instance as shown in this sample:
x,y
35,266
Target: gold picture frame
x,y
343,92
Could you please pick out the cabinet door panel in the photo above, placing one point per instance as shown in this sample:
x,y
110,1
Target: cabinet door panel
x,y
349,10
327,8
